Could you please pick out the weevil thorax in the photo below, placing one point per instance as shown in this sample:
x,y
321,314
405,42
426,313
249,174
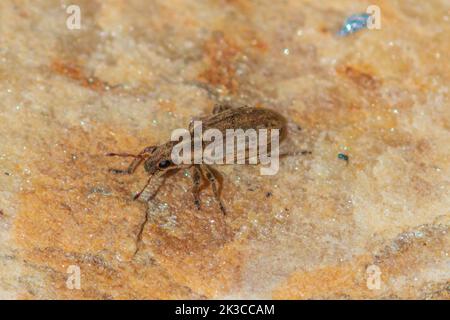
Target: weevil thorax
x,y
160,159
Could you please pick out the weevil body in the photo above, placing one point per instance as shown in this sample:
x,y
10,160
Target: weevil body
x,y
158,159
225,117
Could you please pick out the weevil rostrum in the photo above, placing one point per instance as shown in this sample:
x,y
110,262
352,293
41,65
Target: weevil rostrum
x,y
158,159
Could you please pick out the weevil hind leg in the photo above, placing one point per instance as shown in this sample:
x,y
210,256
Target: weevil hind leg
x,y
211,175
191,123
196,179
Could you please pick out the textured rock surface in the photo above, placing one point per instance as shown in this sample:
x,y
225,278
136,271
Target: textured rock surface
x,y
138,69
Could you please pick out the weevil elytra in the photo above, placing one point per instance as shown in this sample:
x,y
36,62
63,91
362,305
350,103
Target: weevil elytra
x,y
158,159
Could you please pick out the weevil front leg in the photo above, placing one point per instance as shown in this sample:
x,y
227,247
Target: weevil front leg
x,y
138,158
210,175
196,179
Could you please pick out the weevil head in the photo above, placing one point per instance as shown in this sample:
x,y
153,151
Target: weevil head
x,y
160,159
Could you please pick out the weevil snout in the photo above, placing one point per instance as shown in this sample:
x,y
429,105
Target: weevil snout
x,y
160,159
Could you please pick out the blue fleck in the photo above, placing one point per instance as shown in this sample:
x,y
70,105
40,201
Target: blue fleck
x,y
354,23
343,156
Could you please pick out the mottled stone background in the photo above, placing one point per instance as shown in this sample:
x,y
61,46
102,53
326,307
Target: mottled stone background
x,y
139,69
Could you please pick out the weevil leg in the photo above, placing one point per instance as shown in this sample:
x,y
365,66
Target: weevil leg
x,y
211,176
210,90
138,158
218,108
196,179
191,123
144,222
143,189
158,176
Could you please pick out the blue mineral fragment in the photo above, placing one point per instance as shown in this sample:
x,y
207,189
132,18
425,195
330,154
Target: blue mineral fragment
x,y
354,23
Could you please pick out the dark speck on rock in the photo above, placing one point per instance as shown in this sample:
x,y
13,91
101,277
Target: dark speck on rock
x,y
343,156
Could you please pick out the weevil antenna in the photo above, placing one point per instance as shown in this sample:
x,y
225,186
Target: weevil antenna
x,y
138,159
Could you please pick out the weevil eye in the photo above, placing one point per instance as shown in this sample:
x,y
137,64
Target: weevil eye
x,y
164,164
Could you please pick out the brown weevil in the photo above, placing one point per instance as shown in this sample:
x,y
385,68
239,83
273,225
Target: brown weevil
x,y
158,159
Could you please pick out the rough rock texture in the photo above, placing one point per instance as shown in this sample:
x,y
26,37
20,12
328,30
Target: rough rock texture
x,y
139,69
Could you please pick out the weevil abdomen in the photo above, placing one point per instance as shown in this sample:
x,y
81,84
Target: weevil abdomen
x,y
246,118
